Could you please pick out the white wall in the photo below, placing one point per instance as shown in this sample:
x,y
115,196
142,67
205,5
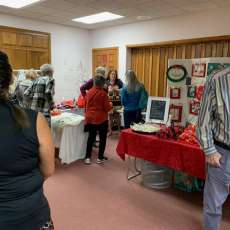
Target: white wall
x,y
211,23
71,47
70,52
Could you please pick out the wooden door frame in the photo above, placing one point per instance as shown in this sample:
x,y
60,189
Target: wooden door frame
x,y
105,48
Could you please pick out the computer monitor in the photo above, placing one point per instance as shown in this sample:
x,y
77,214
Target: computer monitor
x,y
157,110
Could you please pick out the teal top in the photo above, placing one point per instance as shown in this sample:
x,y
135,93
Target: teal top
x,y
130,101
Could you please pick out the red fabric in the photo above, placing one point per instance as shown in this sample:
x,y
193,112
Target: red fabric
x,y
69,103
97,106
81,101
174,154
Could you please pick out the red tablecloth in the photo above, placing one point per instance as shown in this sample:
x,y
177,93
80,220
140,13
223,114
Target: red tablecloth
x,y
170,153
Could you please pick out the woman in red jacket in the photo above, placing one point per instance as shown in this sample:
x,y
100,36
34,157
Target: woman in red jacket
x,y
96,118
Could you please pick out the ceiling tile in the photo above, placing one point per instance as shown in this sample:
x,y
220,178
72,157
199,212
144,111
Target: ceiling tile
x,y
58,4
83,11
221,3
63,11
127,12
199,7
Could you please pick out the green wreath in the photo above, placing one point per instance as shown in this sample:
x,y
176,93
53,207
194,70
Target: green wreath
x,y
176,78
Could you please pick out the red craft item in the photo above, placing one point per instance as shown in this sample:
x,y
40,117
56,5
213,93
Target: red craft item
x,y
176,112
194,107
68,103
175,93
199,92
81,102
170,132
198,70
189,135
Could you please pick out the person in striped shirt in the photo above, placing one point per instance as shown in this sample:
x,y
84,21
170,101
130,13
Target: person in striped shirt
x,y
213,133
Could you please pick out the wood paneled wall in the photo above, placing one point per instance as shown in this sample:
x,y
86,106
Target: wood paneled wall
x,y
25,48
151,61
107,57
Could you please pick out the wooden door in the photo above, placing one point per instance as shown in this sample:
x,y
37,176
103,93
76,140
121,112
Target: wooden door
x,y
38,58
18,57
107,57
25,48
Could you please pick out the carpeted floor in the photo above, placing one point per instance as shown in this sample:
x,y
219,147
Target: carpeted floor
x,y
99,197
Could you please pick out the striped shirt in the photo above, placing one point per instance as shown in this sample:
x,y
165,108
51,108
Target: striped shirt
x,y
214,116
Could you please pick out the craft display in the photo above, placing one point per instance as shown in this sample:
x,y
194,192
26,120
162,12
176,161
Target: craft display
x,y
192,88
176,112
172,132
191,93
176,73
199,92
175,93
188,80
194,107
199,69
189,135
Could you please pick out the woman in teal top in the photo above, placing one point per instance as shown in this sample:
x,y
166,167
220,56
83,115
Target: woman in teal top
x,y
133,98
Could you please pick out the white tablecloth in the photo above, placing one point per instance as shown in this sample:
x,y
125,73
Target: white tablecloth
x,y
70,139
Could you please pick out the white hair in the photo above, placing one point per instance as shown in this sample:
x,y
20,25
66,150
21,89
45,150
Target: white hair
x,y
100,70
47,69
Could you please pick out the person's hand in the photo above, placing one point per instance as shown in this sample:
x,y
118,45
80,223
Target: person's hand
x,y
214,159
110,88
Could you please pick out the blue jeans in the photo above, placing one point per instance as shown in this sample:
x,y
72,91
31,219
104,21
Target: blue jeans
x,y
216,190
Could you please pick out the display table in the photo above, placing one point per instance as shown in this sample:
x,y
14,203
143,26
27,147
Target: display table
x,y
170,153
69,137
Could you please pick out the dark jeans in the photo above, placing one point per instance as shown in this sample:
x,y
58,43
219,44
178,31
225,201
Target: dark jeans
x,y
92,129
132,117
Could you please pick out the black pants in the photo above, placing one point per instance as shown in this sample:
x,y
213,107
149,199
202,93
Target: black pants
x,y
132,117
92,129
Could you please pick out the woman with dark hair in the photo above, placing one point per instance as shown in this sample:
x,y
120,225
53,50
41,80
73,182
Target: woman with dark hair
x,y
114,87
26,160
114,83
96,118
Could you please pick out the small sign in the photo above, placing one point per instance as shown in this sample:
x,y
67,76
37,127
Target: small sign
x,y
157,110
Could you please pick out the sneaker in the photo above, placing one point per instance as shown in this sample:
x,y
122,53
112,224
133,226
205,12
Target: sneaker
x,y
100,161
87,161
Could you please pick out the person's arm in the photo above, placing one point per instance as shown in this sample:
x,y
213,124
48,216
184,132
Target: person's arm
x,y
50,92
120,83
28,93
205,118
46,147
85,87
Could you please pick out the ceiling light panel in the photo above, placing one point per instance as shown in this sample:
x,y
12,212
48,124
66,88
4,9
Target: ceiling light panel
x,y
96,18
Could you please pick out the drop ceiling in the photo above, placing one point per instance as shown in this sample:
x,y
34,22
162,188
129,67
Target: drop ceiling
x,y
63,11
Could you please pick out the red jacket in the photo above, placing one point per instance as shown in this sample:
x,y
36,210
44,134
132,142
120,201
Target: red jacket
x,y
97,106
